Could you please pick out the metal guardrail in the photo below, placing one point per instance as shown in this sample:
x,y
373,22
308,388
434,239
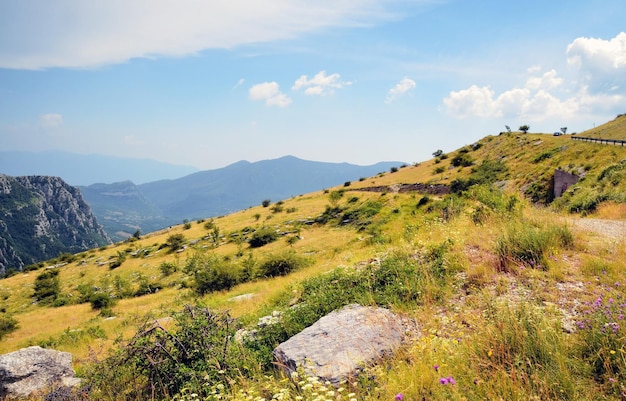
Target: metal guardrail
x,y
600,140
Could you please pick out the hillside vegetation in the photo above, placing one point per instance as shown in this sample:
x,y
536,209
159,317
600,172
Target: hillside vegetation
x,y
615,129
512,299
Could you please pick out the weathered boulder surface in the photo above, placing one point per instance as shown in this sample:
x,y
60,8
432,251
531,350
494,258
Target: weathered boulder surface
x,y
339,344
34,369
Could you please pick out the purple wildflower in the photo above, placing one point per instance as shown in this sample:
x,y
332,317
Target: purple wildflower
x,y
447,380
399,397
436,367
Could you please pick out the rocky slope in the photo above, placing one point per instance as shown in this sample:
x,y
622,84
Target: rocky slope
x,y
41,217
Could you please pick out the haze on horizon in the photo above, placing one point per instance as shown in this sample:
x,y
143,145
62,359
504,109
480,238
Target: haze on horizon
x,y
360,81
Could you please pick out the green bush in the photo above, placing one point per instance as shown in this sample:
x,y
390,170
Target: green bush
x,y
167,268
100,300
158,363
281,264
212,273
117,262
263,236
462,160
47,286
175,241
7,325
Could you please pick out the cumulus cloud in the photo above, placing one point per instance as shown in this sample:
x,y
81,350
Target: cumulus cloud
x,y
402,87
321,84
473,101
50,120
548,80
270,93
601,87
37,34
602,63
533,101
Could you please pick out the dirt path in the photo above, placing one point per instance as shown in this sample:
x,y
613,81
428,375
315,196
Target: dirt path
x,y
613,229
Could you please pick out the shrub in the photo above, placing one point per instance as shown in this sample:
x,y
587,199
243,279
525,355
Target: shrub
x,y
266,202
117,262
212,273
47,286
7,325
462,160
158,363
281,264
439,170
100,300
335,196
175,241
347,184
263,236
167,268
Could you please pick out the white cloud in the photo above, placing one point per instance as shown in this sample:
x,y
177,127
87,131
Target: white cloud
x,y
239,83
321,84
270,92
602,63
473,101
51,120
548,80
37,34
402,87
601,87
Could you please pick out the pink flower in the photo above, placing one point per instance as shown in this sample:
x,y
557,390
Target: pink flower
x,y
399,397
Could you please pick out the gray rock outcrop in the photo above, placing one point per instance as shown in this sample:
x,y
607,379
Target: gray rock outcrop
x,y
42,217
34,369
339,344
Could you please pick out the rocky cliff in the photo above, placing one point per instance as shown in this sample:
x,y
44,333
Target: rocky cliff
x,y
41,217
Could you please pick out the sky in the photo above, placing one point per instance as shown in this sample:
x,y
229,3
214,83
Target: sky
x,y
209,83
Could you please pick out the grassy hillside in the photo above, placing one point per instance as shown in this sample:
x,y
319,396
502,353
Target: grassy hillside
x,y
512,298
615,129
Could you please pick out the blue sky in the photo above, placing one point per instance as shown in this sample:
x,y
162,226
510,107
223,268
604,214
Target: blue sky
x,y
209,83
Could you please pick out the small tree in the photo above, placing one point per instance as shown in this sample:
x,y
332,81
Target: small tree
x,y
564,130
437,153
524,128
266,202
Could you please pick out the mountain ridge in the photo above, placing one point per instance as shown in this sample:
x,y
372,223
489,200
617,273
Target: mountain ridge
x,y
215,192
42,217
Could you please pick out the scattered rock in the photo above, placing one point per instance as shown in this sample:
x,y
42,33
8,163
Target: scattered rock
x,y
338,345
34,369
242,297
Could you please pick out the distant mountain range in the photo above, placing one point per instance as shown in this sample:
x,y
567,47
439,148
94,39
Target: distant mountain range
x,y
77,169
123,207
